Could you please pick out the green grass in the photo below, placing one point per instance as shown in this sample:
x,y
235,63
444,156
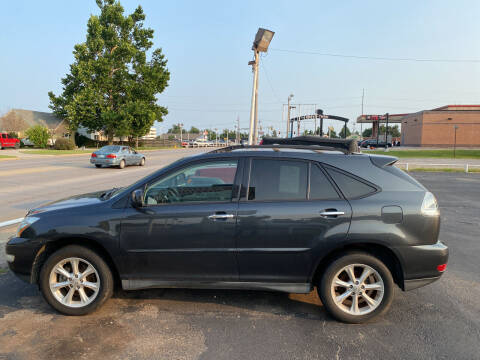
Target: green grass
x,y
143,148
7,157
3,271
55,152
440,154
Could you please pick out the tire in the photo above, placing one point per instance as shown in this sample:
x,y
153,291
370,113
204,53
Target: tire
x,y
101,277
122,164
344,310
98,165
17,146
142,162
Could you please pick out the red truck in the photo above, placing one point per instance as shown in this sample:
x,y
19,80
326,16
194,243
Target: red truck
x,y
8,141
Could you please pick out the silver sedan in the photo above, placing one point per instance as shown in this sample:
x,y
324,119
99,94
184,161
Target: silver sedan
x,y
117,155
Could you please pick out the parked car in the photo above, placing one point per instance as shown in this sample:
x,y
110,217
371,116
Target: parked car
x,y
29,143
8,141
372,143
271,218
117,155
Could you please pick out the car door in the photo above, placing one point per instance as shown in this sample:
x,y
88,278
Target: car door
x,y
290,211
185,231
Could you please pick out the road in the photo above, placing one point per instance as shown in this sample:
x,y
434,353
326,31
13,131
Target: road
x,y
35,179
440,321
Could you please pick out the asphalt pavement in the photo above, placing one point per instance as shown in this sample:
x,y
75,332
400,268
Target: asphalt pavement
x,y
440,321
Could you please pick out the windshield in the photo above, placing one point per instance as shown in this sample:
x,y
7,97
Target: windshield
x,y
109,149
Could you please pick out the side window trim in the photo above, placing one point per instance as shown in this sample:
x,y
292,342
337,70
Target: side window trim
x,y
355,177
186,165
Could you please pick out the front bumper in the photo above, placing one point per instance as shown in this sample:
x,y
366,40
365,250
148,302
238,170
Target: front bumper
x,y
26,254
420,264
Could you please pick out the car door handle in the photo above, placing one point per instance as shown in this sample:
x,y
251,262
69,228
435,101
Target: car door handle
x,y
221,216
331,213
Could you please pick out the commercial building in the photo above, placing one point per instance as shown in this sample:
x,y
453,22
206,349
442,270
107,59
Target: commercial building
x,y
440,127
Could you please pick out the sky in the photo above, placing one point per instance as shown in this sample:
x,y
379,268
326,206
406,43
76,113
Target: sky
x,y
208,45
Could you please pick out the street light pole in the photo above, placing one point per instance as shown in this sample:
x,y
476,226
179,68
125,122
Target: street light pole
x,y
290,97
455,127
260,44
254,99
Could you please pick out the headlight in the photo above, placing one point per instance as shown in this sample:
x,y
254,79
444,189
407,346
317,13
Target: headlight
x,y
430,205
26,222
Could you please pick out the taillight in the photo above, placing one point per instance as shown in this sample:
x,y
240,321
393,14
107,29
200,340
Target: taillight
x,y
94,155
442,267
429,205
111,156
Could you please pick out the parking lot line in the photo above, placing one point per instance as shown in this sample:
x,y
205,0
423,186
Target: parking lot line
x,y
10,222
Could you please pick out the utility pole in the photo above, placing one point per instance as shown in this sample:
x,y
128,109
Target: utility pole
x,y
181,126
386,132
238,130
361,124
455,127
290,97
298,121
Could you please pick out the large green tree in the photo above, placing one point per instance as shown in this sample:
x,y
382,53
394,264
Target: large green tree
x,y
112,86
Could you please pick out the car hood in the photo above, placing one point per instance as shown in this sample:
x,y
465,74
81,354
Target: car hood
x,y
70,202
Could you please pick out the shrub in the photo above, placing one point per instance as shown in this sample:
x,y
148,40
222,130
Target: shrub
x,y
13,134
64,144
39,135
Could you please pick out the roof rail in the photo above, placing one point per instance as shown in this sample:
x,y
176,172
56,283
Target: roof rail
x,y
281,146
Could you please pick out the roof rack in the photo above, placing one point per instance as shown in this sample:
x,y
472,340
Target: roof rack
x,y
277,147
347,144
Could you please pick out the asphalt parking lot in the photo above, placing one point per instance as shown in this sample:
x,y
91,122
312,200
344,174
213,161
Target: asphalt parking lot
x,y
440,321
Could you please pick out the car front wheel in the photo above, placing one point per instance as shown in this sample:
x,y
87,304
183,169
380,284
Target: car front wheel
x,y
356,287
75,280
122,164
142,162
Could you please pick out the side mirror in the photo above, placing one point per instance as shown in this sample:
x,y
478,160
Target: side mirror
x,y
137,198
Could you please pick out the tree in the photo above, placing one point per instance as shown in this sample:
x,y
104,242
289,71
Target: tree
x,y
111,86
342,132
175,129
194,130
274,133
367,133
39,135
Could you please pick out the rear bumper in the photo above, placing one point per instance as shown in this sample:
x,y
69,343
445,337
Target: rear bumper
x,y
420,264
106,162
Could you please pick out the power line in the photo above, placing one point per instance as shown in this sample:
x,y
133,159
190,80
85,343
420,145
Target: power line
x,y
309,52
270,83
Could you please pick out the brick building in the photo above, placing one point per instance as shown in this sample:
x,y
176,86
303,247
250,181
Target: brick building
x,y
440,127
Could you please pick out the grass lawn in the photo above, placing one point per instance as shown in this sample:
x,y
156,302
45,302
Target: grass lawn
x,y
55,152
440,154
7,157
432,169
140,148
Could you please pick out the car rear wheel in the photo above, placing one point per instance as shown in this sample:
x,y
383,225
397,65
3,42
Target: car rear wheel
x,y
98,165
356,287
122,164
75,280
142,162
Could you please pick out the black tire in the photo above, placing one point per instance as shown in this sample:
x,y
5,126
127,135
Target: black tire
x,y
325,290
98,165
122,164
17,146
104,273
142,162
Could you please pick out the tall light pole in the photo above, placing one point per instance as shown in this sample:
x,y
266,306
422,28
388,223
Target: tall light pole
x,y
260,44
455,127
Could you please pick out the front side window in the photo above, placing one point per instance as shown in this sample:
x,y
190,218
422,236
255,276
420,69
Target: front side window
x,y
278,180
208,181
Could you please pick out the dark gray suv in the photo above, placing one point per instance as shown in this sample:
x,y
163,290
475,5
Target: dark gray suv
x,y
275,217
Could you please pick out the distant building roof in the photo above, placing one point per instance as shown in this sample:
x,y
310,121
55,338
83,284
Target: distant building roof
x,y
458,108
21,120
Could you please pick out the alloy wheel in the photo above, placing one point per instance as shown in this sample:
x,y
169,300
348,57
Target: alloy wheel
x,y
357,289
74,282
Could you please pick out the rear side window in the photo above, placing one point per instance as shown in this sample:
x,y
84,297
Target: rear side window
x,y
320,187
351,187
278,180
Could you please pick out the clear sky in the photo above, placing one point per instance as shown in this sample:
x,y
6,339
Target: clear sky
x,y
208,45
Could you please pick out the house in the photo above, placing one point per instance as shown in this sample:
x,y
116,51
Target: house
x,y
19,120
